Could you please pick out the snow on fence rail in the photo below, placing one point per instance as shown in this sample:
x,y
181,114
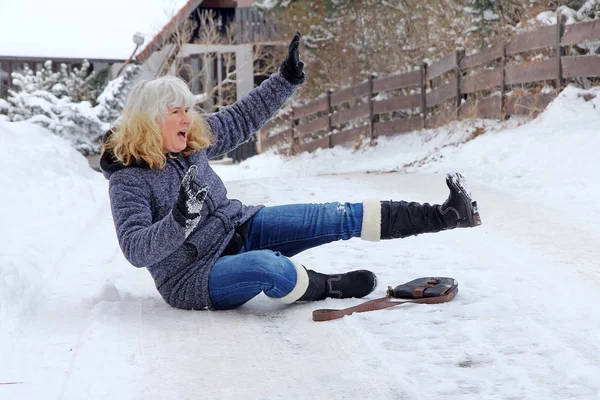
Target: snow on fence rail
x,y
493,83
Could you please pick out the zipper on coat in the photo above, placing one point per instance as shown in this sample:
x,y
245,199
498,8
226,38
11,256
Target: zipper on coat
x,y
176,160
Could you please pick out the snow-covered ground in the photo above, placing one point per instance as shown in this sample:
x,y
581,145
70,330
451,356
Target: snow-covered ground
x,y
77,321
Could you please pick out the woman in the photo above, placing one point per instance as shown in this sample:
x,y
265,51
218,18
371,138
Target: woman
x,y
205,251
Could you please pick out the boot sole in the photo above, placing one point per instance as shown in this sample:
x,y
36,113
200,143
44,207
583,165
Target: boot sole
x,y
473,216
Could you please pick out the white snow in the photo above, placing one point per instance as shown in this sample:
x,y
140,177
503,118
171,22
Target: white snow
x,y
80,29
77,321
489,15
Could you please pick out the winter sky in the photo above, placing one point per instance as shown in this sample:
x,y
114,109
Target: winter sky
x,y
80,29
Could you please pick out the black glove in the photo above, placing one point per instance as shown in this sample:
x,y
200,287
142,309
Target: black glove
x,y
190,200
292,69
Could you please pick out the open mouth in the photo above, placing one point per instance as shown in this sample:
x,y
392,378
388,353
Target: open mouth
x,y
182,134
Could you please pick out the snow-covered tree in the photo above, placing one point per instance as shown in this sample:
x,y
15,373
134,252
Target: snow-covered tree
x,y
112,100
77,82
29,81
61,83
62,102
75,122
4,110
484,14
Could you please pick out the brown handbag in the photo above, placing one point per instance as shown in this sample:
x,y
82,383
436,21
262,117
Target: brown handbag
x,y
422,290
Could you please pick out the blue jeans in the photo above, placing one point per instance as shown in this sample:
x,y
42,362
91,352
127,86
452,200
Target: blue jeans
x,y
273,235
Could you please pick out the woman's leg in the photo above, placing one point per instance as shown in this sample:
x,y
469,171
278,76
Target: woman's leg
x,y
291,229
236,279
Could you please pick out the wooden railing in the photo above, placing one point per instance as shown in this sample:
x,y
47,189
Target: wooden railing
x,y
493,83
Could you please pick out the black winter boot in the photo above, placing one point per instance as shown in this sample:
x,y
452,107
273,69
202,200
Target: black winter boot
x,y
400,219
340,286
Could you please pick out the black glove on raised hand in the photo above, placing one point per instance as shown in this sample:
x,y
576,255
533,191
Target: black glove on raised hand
x,y
292,69
190,201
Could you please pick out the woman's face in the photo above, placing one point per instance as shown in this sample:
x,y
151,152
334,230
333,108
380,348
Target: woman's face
x,y
175,128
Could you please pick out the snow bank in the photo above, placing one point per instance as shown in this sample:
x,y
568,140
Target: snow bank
x,y
391,153
49,197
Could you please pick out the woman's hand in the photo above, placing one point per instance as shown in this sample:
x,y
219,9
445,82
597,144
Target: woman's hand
x,y
190,200
292,69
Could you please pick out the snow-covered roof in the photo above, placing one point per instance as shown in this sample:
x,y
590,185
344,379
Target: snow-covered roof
x,y
80,29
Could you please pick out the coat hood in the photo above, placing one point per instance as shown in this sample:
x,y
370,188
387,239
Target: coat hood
x,y
109,164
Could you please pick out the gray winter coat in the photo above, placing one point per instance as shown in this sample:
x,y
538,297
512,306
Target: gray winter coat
x,y
142,201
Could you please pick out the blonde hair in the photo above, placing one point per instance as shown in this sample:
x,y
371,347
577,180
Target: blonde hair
x,y
139,136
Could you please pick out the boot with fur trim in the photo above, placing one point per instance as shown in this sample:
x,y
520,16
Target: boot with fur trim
x,y
400,219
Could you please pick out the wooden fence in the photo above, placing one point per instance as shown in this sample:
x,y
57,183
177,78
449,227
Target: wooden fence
x,y
244,151
493,83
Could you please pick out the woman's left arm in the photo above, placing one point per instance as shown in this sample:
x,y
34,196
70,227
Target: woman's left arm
x,y
237,123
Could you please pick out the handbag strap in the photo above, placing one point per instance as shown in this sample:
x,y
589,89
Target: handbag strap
x,y
326,314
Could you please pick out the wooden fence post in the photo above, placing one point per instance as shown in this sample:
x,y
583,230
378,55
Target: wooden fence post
x,y
458,73
559,51
295,140
423,71
372,134
329,112
10,79
503,84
